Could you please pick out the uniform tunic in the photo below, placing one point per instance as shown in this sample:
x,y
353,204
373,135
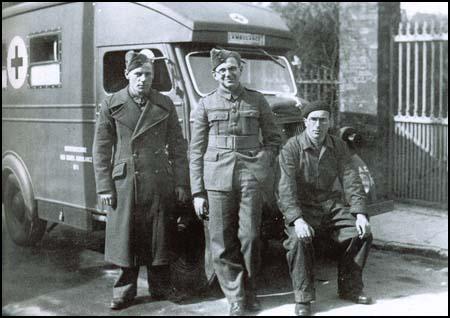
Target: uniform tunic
x,y
230,162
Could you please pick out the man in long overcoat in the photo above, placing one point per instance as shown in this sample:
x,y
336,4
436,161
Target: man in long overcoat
x,y
140,165
228,167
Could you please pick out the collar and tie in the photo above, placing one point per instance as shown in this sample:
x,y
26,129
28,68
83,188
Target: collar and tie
x,y
140,100
225,93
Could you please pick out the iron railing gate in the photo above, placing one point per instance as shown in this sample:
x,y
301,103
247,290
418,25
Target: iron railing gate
x,y
419,106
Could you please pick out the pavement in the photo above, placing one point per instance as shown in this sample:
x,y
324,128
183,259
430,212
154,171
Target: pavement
x,y
412,229
66,275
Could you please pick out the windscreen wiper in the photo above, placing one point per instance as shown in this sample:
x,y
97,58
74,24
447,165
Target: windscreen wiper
x,y
271,57
274,59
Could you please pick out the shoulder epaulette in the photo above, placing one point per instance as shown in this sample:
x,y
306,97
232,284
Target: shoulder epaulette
x,y
252,90
211,92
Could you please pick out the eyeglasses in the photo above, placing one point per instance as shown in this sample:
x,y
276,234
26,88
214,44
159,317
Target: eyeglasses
x,y
223,70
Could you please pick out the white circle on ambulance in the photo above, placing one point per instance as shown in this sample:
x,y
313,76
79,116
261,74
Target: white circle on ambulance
x,y
239,18
17,62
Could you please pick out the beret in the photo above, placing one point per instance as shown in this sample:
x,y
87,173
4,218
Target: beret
x,y
134,60
315,106
220,56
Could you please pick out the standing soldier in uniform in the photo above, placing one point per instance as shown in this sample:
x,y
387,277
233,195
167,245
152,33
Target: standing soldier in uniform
x,y
139,161
228,166
310,164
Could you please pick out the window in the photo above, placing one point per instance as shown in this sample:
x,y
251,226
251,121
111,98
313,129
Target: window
x,y
45,60
114,76
260,73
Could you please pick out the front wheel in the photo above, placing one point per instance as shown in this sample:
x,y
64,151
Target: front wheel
x,y
24,225
187,268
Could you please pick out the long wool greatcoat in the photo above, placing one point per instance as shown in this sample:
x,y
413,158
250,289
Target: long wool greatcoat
x,y
140,156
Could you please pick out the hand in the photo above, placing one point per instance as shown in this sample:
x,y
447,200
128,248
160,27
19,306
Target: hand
x,y
304,231
181,194
108,199
362,226
201,208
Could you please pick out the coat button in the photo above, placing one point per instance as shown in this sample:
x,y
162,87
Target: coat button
x,y
233,109
136,173
135,155
156,171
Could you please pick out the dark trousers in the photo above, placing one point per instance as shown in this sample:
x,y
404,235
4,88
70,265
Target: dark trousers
x,y
125,286
339,225
234,227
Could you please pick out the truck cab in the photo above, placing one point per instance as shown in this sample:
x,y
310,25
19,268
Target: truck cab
x,y
181,36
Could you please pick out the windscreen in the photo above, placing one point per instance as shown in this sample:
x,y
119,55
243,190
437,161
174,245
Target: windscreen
x,y
260,73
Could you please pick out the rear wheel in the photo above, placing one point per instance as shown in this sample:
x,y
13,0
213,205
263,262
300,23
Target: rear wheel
x,y
23,223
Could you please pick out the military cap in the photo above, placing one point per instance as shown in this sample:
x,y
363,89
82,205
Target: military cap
x,y
220,56
134,60
315,106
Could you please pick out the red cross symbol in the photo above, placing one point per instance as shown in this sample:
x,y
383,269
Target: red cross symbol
x,y
17,62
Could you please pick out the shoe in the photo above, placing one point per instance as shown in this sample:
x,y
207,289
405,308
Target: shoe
x,y
360,298
236,309
253,304
303,309
118,303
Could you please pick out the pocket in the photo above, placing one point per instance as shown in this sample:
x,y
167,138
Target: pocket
x,y
211,156
119,171
250,123
250,113
250,154
217,116
218,121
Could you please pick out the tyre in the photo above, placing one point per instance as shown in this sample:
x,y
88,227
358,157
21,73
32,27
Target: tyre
x,y
24,226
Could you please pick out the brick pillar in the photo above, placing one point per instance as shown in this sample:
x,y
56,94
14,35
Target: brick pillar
x,y
364,59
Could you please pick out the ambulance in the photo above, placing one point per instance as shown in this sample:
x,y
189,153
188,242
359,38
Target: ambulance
x,y
61,59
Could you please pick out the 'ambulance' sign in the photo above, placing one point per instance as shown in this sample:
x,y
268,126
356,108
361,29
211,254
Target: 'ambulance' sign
x,y
17,62
246,38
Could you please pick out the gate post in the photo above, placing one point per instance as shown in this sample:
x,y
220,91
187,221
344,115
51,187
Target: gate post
x,y
364,76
